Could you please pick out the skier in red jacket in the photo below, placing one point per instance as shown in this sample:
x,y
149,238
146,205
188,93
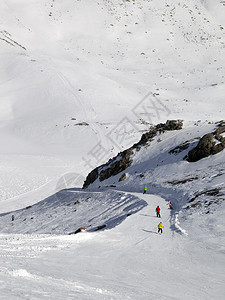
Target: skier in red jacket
x,y
158,212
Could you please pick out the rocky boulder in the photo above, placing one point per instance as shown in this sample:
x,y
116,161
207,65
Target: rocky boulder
x,y
203,149
209,144
92,176
117,166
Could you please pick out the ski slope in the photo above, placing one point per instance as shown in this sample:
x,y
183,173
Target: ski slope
x,y
81,81
130,261
75,75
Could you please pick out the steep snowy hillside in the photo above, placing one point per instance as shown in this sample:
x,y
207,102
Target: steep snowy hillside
x,y
116,253
161,161
81,81
78,75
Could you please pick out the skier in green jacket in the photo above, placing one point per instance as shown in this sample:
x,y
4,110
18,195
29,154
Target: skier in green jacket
x,y
145,189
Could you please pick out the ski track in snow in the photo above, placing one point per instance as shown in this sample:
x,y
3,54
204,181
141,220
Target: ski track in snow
x,y
83,289
115,264
94,63
177,225
26,247
16,245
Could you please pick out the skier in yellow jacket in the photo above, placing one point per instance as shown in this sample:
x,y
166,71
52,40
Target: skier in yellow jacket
x,y
160,227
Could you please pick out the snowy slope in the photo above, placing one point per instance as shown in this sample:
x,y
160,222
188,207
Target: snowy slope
x,y
127,259
196,190
84,60
81,81
128,262
69,210
65,67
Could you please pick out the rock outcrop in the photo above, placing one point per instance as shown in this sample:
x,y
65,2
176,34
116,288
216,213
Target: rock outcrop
x,y
209,144
123,177
123,160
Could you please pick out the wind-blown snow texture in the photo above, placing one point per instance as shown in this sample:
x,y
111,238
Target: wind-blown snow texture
x,y
80,82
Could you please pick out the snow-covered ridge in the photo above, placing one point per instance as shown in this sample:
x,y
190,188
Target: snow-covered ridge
x,y
161,164
81,81
76,62
78,53
68,210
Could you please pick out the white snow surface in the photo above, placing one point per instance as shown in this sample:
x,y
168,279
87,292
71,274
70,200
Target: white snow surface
x,y
130,261
81,81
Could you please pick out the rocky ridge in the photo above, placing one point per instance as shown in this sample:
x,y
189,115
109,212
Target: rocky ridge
x,y
123,160
209,144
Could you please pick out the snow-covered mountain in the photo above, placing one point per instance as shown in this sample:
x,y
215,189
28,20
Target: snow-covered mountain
x,y
82,81
77,76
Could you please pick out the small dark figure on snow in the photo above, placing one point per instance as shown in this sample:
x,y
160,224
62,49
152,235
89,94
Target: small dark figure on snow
x,y
145,189
160,227
158,212
13,218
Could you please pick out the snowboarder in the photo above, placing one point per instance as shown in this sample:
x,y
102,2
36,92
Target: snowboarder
x,y
158,212
160,227
145,189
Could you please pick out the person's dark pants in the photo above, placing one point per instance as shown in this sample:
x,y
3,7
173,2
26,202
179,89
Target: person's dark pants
x,y
144,192
158,214
160,230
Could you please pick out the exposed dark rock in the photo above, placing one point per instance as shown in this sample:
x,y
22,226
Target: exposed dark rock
x,y
123,177
180,148
207,144
160,128
123,160
82,124
184,146
212,192
220,130
206,202
173,125
100,227
203,149
218,148
175,182
81,229
118,166
92,176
